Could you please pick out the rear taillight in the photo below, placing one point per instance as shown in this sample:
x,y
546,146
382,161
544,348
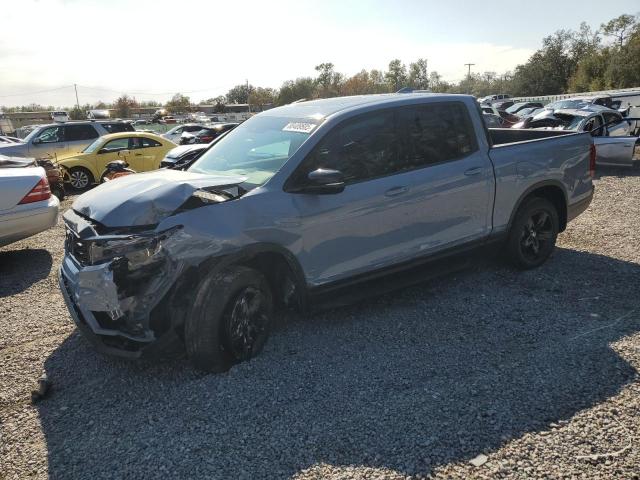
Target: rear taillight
x,y
592,160
38,193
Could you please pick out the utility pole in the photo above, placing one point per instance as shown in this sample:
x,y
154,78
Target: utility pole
x,y
469,65
77,102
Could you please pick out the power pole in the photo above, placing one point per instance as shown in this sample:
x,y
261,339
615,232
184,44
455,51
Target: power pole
x,y
469,65
77,102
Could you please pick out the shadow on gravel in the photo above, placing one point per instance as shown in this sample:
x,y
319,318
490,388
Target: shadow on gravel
x,y
19,269
433,374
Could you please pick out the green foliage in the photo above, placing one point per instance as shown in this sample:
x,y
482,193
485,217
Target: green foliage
x,y
124,104
298,89
396,76
178,104
239,93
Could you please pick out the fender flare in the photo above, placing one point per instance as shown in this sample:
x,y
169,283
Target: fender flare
x,y
529,191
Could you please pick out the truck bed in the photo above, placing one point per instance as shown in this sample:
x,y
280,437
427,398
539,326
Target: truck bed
x,y
504,136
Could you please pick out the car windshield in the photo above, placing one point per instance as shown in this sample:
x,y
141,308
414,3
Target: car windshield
x,y
562,104
257,149
513,108
93,146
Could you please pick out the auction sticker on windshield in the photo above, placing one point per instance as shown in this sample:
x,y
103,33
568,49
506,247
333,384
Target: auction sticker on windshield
x,y
300,127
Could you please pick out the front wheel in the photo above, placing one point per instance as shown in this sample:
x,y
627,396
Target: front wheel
x,y
80,178
533,234
230,320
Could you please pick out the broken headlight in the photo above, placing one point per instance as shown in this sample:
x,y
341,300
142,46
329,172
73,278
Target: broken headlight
x,y
139,249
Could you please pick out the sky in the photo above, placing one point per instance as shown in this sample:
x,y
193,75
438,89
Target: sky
x,y
153,49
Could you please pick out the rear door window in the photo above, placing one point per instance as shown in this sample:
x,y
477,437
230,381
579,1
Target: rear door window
x,y
118,127
115,145
74,133
435,133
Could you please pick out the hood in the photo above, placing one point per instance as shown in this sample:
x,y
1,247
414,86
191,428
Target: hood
x,y
145,198
183,149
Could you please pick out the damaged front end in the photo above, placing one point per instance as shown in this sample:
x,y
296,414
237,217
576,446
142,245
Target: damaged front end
x,y
113,283
119,282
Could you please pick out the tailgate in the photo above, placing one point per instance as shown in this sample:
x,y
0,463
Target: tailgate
x,y
15,183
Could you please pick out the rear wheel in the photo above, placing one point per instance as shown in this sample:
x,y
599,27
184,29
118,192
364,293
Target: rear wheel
x,y
230,320
533,234
80,178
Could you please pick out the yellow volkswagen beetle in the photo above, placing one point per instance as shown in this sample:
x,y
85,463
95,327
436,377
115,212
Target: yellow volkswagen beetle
x,y
142,151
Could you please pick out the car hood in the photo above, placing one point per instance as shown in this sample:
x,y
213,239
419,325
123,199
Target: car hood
x,y
146,198
177,152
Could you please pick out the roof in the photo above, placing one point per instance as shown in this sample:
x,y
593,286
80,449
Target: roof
x,y
322,108
111,136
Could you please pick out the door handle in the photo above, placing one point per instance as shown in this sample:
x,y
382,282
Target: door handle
x,y
138,154
395,191
473,171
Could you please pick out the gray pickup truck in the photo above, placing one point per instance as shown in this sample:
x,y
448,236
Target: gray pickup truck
x,y
302,201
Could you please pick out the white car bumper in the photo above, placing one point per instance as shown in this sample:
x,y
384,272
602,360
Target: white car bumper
x,y
22,221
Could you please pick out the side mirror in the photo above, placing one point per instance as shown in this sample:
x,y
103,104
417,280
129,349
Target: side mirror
x,y
323,181
102,150
36,141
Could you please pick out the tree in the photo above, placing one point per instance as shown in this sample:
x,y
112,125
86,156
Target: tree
x,y
437,84
239,93
178,104
262,96
329,82
298,89
123,106
619,28
396,76
418,75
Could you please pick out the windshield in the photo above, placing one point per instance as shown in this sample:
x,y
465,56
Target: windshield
x,y
562,104
514,108
256,149
93,146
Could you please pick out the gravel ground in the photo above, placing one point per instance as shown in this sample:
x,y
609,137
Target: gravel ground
x,y
537,371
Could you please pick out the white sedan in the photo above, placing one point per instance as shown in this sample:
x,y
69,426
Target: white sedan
x,y
27,206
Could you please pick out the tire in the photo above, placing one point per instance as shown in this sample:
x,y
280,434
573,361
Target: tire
x,y
221,329
58,191
80,178
533,233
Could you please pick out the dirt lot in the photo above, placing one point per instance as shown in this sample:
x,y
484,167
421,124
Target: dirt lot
x,y
537,370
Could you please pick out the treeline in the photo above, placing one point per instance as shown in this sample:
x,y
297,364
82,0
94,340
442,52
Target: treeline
x,y
568,61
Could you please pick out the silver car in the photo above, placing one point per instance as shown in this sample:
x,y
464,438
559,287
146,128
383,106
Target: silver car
x,y
61,140
27,206
614,136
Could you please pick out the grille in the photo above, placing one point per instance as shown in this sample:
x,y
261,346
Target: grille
x,y
77,248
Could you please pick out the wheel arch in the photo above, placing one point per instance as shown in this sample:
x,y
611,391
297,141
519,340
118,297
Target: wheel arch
x,y
276,263
551,190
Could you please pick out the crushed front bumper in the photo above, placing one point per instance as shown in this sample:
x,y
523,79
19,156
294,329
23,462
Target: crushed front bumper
x,y
107,335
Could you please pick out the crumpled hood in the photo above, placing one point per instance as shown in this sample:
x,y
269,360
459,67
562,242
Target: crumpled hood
x,y
145,198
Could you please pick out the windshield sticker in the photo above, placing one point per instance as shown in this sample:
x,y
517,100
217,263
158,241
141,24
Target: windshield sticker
x,y
300,127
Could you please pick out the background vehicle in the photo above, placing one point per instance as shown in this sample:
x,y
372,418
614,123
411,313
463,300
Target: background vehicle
x,y
517,107
168,120
98,114
7,139
492,120
26,204
61,140
580,102
614,136
60,116
116,169
142,151
489,99
206,134
302,200
507,118
176,132
182,155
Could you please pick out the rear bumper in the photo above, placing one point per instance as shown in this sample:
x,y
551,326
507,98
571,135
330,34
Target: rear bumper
x,y
24,222
577,208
